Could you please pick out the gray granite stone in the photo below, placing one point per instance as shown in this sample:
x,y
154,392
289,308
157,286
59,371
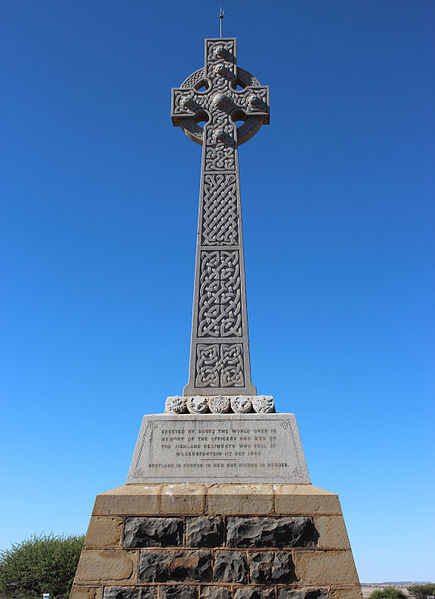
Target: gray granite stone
x,y
269,567
153,532
204,532
117,592
176,566
292,593
179,591
219,448
270,532
214,592
254,593
230,566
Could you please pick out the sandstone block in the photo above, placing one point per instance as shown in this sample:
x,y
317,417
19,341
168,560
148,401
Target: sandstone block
x,y
270,567
153,532
128,499
182,498
332,532
130,592
79,592
270,532
325,567
354,593
305,499
204,532
176,566
213,592
103,532
254,593
240,499
230,566
178,592
97,566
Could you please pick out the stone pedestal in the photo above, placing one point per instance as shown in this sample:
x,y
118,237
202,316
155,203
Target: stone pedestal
x,y
220,541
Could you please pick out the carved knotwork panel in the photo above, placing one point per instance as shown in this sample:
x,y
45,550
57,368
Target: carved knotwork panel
x,y
219,365
220,310
219,217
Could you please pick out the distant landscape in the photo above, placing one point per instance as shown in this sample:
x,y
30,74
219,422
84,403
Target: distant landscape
x,y
368,587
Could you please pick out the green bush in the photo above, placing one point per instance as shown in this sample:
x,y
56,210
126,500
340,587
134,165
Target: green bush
x,y
388,593
41,564
421,591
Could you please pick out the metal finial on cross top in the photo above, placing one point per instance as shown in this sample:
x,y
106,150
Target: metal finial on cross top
x,y
221,18
221,95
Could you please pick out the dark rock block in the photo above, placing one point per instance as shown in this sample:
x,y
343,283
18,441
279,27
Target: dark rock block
x,y
271,566
153,532
254,593
210,592
177,566
303,594
130,593
204,532
230,566
270,532
178,592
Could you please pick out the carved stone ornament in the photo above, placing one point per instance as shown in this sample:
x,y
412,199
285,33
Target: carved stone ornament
x,y
220,404
263,403
241,404
221,94
176,405
197,404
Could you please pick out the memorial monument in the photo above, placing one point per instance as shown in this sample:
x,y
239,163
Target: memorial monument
x,y
218,502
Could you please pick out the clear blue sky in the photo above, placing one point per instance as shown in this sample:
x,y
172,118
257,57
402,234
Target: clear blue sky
x,y
99,214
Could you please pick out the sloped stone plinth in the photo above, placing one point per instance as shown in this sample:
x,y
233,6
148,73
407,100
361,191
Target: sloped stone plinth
x,y
229,541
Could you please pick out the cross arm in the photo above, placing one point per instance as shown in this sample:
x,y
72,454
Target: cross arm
x,y
253,101
186,103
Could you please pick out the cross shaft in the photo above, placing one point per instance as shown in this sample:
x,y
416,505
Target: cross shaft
x,y
219,359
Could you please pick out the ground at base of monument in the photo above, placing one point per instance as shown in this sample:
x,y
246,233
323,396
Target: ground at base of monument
x,y
219,448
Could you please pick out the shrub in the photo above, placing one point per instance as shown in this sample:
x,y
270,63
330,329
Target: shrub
x,y
388,593
421,591
41,564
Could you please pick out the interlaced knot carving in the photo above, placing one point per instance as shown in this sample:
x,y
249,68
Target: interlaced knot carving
x,y
220,95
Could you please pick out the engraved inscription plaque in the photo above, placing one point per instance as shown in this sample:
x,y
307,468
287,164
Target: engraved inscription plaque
x,y
219,448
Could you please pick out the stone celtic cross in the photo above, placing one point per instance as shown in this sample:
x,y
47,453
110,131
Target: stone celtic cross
x,y
220,95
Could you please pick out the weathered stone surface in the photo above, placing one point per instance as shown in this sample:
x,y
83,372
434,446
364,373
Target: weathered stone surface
x,y
270,532
305,499
254,593
177,566
302,593
105,565
81,592
230,566
325,567
182,498
212,592
240,499
271,566
131,592
178,592
347,593
128,499
204,532
103,532
153,532
332,531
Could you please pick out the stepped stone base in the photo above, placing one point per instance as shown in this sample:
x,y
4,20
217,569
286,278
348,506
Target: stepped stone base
x,y
222,541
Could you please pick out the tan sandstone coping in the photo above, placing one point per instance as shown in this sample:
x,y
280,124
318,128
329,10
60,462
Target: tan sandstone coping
x,y
198,498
